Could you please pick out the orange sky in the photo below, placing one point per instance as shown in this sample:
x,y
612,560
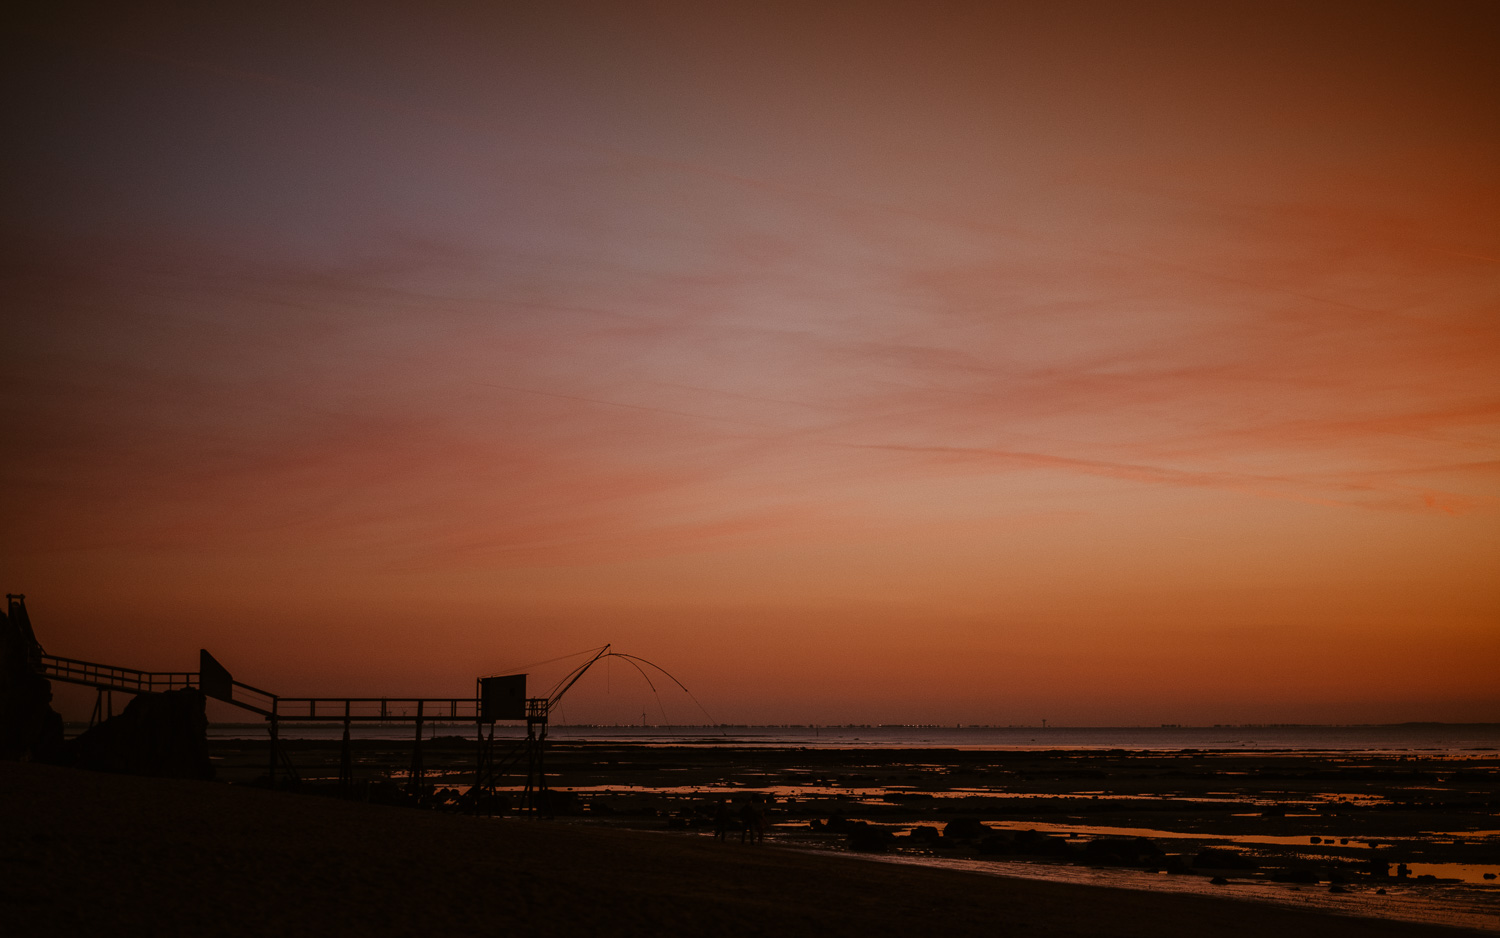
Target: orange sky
x,y
1095,363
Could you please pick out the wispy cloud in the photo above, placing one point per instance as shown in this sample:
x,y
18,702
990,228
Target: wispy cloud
x,y
488,295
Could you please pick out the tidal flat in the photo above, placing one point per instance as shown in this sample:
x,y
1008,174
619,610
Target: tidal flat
x,y
96,853
1400,835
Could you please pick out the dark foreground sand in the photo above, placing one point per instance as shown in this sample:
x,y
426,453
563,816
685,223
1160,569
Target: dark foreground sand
x,y
84,853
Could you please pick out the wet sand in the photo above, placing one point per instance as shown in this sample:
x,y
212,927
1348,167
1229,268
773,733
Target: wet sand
x,y
1341,808
1406,834
93,853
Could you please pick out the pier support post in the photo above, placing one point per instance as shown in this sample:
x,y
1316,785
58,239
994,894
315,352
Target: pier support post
x,y
536,747
275,746
414,778
479,791
346,760
104,707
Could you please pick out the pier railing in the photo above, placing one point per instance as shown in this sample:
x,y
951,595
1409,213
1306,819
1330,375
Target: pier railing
x,y
112,677
375,709
269,705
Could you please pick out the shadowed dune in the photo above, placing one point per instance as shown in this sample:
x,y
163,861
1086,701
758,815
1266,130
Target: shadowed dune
x,y
94,853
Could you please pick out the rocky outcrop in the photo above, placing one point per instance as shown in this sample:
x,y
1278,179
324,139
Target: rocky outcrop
x,y
1026,843
157,734
1218,858
964,828
868,838
1119,851
924,834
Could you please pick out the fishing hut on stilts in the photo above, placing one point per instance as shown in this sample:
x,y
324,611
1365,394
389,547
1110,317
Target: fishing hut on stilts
x,y
497,698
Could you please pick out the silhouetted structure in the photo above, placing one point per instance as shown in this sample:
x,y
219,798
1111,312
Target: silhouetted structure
x,y
503,698
163,730
29,727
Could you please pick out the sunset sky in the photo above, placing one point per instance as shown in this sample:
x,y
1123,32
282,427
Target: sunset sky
x,y
1105,364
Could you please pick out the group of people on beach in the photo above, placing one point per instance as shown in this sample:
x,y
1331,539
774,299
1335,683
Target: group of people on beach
x,y
751,820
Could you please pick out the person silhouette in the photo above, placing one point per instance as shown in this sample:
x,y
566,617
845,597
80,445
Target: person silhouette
x,y
721,819
753,819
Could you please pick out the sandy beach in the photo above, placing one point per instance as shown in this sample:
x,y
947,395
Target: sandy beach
x,y
94,853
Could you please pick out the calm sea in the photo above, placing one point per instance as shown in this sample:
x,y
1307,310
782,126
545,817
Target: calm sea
x,y
1403,737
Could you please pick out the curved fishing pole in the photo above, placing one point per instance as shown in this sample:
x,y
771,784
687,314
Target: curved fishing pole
x,y
571,678
634,658
554,696
644,676
647,678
